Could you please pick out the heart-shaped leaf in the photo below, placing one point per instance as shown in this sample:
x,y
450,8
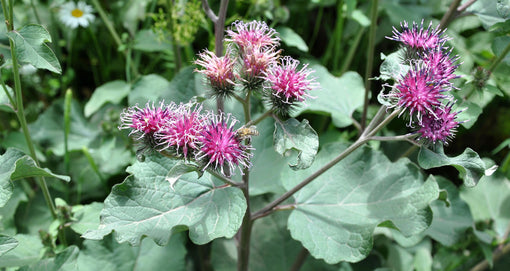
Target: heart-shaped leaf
x,y
145,205
336,214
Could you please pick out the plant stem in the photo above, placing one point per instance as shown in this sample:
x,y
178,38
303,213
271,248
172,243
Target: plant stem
x,y
35,12
316,28
20,113
498,60
67,126
113,32
352,50
260,118
300,260
225,179
244,234
450,14
498,253
370,59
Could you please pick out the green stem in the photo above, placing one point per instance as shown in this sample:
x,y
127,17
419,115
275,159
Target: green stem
x,y
450,14
300,260
67,126
225,179
317,26
35,12
113,32
175,46
498,60
20,113
260,118
370,59
107,22
339,29
337,32
352,50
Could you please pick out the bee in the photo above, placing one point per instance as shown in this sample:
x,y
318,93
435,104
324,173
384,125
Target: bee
x,y
246,132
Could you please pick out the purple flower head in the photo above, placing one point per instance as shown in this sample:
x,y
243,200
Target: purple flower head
x,y
181,133
440,126
288,83
253,34
419,38
441,65
256,62
147,120
220,147
418,92
219,72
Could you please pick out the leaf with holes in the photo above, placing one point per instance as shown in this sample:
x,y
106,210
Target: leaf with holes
x,y
145,205
300,136
336,214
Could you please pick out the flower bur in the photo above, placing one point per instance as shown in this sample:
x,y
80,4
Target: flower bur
x,y
219,72
221,148
287,84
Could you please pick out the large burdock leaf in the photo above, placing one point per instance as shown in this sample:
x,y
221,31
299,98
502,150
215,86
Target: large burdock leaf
x,y
30,43
336,214
471,168
7,243
114,92
146,205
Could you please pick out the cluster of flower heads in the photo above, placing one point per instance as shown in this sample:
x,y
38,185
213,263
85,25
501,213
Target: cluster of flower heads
x,y
424,90
182,130
253,62
74,14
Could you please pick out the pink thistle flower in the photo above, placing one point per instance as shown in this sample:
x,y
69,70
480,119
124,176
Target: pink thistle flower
x,y
256,62
418,92
148,120
221,147
287,83
417,37
441,65
182,131
253,34
218,70
440,126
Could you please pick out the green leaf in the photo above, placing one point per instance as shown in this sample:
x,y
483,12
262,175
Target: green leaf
x,y
148,88
30,44
7,212
5,104
86,216
449,223
48,129
7,167
266,162
26,168
469,115
487,12
7,243
471,168
112,92
293,135
147,41
27,252
336,214
338,96
65,260
392,66
180,169
291,38
145,205
490,200
110,255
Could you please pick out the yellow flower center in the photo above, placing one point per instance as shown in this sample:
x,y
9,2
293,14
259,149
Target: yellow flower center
x,y
77,13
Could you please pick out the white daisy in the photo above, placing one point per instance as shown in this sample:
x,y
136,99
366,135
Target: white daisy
x,y
74,14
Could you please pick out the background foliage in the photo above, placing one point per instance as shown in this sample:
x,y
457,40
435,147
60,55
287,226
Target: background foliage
x,y
86,76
